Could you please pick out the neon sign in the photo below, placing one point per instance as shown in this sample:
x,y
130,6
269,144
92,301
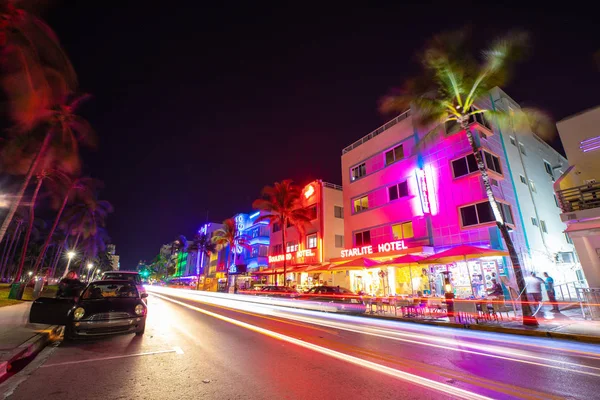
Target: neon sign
x,y
239,221
381,248
288,256
423,191
309,191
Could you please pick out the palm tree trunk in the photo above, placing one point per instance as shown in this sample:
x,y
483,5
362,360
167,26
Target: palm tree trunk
x,y
29,229
12,249
528,319
56,257
47,242
283,228
5,252
74,248
17,200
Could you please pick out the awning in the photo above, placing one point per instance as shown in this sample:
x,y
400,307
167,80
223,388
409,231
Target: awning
x,y
462,253
583,226
359,263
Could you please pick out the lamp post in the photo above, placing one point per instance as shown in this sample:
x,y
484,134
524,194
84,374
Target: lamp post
x,y
89,267
70,255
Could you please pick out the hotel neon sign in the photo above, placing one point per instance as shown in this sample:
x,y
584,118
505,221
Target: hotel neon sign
x,y
288,256
381,248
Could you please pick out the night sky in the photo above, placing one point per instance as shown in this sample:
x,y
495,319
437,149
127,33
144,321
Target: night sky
x,y
198,108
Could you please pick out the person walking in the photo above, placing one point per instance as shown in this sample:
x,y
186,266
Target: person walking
x,y
551,293
534,289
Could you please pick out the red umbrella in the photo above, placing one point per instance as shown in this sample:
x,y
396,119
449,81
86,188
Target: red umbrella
x,y
359,263
407,259
462,253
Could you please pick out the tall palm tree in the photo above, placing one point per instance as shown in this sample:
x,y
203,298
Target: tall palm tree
x,y
85,219
231,238
64,132
451,89
40,178
68,185
92,246
282,202
205,247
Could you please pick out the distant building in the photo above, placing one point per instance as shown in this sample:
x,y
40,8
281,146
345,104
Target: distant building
x,y
253,257
578,189
323,238
114,258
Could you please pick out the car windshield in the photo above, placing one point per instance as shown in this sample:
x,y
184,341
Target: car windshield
x,y
108,290
122,277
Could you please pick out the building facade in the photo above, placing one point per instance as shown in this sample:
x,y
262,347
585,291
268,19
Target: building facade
x,y
322,240
533,167
410,190
578,189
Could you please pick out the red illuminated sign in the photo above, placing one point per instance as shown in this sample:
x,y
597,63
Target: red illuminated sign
x,y
288,256
309,191
381,248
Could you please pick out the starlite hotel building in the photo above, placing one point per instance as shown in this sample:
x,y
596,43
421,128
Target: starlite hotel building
x,y
409,190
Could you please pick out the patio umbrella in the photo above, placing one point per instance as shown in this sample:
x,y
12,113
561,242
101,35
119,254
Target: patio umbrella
x,y
359,263
462,253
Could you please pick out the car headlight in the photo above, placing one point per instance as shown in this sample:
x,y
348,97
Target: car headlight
x,y
78,313
139,309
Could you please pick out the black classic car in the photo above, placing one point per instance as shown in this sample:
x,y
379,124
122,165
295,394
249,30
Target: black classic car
x,y
103,307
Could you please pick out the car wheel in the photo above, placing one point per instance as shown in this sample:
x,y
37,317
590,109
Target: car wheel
x,y
68,334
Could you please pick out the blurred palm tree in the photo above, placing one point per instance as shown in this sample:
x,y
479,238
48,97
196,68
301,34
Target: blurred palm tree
x,y
282,202
452,89
85,219
231,238
67,186
92,246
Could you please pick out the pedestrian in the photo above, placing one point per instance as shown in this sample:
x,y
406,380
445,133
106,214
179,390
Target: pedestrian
x,y
534,289
551,292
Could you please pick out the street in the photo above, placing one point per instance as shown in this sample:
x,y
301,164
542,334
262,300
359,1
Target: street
x,y
205,346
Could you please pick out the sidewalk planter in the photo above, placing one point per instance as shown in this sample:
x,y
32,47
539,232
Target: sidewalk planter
x,y
16,291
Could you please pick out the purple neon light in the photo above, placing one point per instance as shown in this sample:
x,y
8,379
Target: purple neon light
x,y
590,144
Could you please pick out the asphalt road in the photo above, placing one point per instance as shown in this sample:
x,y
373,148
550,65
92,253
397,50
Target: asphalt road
x,y
199,346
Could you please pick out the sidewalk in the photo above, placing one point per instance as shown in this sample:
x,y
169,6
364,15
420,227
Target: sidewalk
x,y
567,324
19,338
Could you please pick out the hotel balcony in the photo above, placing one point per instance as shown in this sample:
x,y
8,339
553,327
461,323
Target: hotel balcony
x,y
578,202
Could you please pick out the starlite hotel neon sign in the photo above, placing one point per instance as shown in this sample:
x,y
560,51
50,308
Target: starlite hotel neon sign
x,y
381,248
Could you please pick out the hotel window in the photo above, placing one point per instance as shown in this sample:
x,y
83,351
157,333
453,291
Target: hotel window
x,y
397,191
522,149
568,238
361,204
534,221
548,168
464,166
263,250
291,247
482,213
254,251
395,154
543,226
338,212
312,212
532,186
339,241
358,172
403,231
276,249
523,180
492,162
513,141
311,241
276,227
362,238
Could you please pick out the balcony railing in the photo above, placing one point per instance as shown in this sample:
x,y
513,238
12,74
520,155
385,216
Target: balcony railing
x,y
332,186
377,131
579,198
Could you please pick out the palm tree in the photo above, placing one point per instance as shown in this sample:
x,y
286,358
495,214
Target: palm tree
x,y
69,185
40,178
283,204
451,89
229,236
159,266
92,246
204,246
85,219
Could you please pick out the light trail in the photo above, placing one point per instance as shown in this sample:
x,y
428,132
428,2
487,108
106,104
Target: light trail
x,y
405,376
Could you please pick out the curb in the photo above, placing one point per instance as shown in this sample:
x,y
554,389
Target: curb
x,y
28,348
498,329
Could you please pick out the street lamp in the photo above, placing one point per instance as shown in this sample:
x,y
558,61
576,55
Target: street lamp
x,y
70,255
89,266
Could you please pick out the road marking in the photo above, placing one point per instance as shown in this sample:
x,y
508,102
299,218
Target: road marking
x,y
150,353
405,376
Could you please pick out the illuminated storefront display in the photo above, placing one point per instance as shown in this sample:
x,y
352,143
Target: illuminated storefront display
x,y
381,248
